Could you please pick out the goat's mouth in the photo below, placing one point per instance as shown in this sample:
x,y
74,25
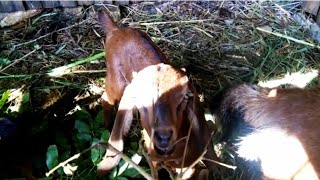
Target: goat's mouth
x,y
164,151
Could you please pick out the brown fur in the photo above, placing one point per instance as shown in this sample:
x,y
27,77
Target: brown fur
x,y
127,49
294,112
159,94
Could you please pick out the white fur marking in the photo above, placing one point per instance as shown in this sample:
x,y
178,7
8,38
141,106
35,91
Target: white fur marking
x,y
281,155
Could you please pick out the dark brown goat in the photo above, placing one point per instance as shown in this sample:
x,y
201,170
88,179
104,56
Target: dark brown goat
x,y
139,77
275,129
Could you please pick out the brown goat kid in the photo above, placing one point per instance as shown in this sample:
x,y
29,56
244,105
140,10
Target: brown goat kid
x,y
275,131
139,78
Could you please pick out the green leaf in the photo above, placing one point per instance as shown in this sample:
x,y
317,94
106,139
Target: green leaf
x,y
92,175
65,155
97,152
123,168
42,16
37,46
25,103
121,178
4,61
52,156
84,137
129,170
4,98
62,140
105,136
113,173
134,145
82,127
45,178
84,116
98,120
26,98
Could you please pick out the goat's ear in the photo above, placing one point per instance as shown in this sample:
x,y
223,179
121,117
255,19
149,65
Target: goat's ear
x,y
192,113
106,22
126,107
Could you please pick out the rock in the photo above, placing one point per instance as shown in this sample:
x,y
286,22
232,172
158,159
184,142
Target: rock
x,y
10,19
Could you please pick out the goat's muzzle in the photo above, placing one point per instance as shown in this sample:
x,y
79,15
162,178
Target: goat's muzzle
x,y
162,142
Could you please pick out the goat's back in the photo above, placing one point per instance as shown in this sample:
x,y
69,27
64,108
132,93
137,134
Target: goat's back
x,y
275,127
131,50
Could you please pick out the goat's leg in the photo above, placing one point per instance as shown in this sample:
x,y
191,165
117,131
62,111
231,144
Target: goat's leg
x,y
108,104
121,126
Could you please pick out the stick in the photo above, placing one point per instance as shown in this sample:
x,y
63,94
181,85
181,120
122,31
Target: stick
x,y
109,147
18,60
169,22
203,31
220,163
88,71
193,164
43,36
185,148
127,159
289,38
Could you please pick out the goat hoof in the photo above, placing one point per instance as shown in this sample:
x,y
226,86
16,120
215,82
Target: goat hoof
x,y
108,163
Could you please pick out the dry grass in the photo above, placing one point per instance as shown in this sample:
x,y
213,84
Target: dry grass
x,y
216,41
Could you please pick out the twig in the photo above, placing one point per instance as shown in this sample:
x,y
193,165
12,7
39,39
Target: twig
x,y
152,168
109,147
169,22
127,159
220,163
289,38
43,36
185,147
18,60
203,31
88,71
194,117
201,157
193,164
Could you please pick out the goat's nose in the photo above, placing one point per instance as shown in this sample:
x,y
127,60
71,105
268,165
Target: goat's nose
x,y
163,137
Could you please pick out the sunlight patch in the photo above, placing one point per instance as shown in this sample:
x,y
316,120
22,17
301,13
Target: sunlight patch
x,y
75,109
187,175
16,96
95,90
209,116
298,79
281,155
136,158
